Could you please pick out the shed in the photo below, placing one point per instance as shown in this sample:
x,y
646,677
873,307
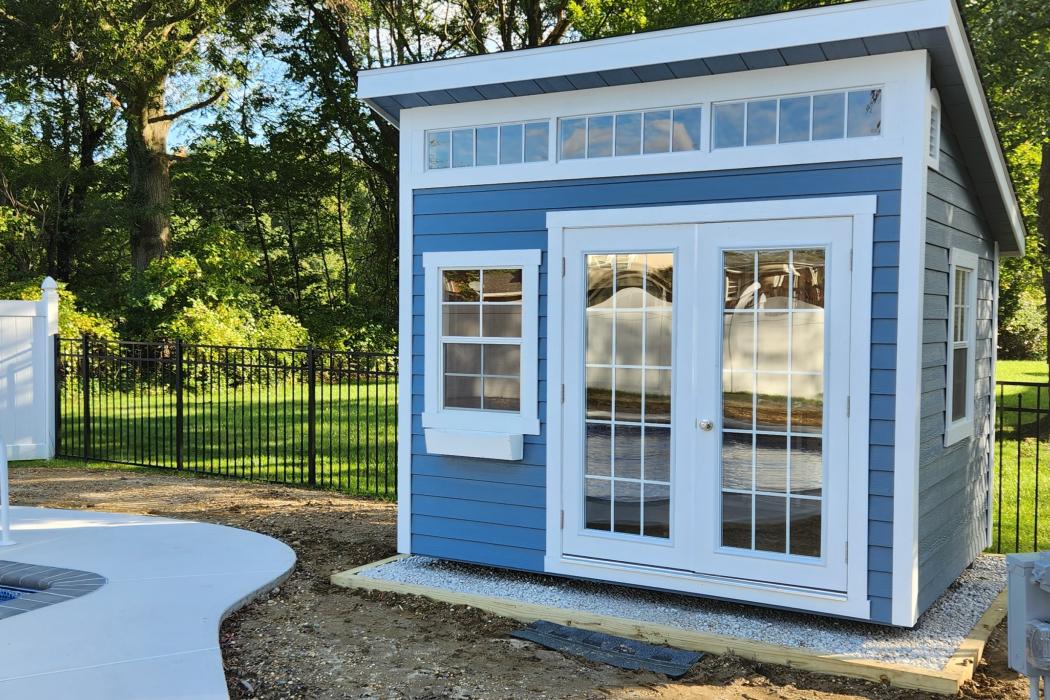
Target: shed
x,y
709,310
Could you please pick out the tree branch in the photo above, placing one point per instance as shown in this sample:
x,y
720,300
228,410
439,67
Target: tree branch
x,y
189,108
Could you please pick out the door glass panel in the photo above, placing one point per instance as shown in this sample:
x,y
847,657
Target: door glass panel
x,y
628,332
773,400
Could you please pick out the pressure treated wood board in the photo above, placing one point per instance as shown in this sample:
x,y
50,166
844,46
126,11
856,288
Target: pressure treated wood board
x,y
946,681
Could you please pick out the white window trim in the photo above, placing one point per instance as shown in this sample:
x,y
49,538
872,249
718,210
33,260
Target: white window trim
x,y
956,431
480,433
933,138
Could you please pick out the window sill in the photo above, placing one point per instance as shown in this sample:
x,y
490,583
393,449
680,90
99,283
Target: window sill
x,y
958,431
472,443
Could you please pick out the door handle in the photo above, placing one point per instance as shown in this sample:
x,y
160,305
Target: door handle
x,y
705,425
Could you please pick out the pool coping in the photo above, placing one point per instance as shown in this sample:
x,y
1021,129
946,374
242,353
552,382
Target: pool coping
x,y
48,585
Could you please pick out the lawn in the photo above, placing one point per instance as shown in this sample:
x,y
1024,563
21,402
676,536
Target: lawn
x,y
249,431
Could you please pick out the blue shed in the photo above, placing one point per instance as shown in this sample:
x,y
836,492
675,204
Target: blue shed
x,y
709,310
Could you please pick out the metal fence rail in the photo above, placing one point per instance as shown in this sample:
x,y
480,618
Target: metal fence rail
x,y
300,416
1022,434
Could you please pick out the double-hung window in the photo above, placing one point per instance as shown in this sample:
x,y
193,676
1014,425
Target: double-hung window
x,y
480,360
962,332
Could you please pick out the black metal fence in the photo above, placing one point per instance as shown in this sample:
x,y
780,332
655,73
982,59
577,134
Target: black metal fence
x,y
300,416
1019,490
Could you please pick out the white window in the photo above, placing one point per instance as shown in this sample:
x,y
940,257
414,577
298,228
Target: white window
x,y
480,367
499,144
934,146
962,332
630,133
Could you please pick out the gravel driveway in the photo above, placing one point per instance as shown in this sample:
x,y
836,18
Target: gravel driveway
x,y
310,639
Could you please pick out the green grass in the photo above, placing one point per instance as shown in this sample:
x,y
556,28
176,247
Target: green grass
x,y
246,431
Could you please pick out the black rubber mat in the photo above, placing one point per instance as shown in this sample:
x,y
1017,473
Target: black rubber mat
x,y
607,649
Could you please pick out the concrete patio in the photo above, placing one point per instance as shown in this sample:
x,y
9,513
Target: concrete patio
x,y
151,631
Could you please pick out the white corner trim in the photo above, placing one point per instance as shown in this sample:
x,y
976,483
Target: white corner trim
x,y
404,357
992,407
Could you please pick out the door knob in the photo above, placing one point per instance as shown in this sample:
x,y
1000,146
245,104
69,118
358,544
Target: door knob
x,y
705,425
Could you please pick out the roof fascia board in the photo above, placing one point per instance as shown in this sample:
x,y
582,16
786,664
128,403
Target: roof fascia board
x,y
854,20
982,113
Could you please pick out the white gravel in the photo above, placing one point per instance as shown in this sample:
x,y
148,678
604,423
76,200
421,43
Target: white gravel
x,y
939,632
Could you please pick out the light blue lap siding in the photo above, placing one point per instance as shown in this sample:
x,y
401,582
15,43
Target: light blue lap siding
x,y
493,512
953,481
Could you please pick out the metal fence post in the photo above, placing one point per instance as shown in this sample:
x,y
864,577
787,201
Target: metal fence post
x,y
57,359
178,404
85,359
311,409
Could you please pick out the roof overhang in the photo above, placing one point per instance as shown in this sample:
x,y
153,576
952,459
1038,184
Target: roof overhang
x,y
829,33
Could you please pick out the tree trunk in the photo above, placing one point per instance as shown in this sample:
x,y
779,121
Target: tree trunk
x,y
149,194
1043,227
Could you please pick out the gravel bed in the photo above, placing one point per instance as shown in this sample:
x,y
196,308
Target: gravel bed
x,y
929,645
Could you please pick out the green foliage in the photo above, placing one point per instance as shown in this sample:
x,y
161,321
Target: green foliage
x,y
73,321
1022,334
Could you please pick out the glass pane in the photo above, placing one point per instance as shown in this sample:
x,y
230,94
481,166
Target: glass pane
x,y
805,527
865,113
628,395
794,119
774,279
829,116
738,400
737,461
598,501
659,279
960,358
504,360
657,454
729,125
599,449
686,133
657,132
761,122
461,320
599,393
770,524
772,402
501,320
599,136
771,463
807,466
772,343
808,282
629,134
502,394
510,139
572,138
807,345
437,150
627,453
628,507
600,278
462,392
738,342
658,396
487,145
629,337
736,520
461,285
657,521
501,285
600,336
807,403
739,272
658,339
630,281
462,148
537,142
463,358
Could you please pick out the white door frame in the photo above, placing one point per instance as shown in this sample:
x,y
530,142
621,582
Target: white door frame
x,y
854,602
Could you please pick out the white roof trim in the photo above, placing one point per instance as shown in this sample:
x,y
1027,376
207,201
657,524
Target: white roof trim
x,y
854,20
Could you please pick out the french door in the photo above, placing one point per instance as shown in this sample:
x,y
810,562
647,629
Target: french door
x,y
709,431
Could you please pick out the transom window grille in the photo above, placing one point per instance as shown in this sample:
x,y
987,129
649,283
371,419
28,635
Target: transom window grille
x,y
630,133
500,144
773,400
627,480
798,118
481,338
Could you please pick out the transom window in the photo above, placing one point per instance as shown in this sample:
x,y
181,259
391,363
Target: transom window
x,y
798,118
500,144
630,133
962,330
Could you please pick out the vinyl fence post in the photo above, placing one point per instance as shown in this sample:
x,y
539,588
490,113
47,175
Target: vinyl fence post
x,y
311,408
178,404
85,361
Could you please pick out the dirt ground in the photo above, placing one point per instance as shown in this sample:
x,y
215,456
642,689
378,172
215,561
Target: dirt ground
x,y
310,639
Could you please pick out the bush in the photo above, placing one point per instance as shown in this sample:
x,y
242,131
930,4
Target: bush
x,y
1022,334
72,321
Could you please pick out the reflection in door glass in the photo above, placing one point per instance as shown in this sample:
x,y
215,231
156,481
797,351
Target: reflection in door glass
x,y
773,400
627,475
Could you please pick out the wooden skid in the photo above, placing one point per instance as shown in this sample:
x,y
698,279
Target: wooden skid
x,y
947,681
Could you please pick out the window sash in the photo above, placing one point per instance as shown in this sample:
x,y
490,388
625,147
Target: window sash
x,y
961,345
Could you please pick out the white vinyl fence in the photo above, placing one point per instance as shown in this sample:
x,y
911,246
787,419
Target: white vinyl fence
x,y
27,374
